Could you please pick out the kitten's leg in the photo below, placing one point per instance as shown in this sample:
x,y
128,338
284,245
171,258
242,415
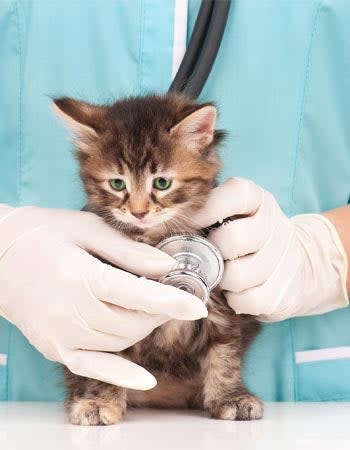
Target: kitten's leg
x,y
92,402
224,393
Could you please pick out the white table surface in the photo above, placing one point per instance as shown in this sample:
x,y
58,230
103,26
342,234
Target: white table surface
x,y
286,426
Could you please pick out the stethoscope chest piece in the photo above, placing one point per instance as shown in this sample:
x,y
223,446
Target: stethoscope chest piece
x,y
199,264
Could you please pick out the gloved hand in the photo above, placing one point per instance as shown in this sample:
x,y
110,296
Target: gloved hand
x,y
275,267
72,307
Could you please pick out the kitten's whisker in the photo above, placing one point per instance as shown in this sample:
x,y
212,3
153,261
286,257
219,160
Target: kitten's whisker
x,y
188,220
185,224
180,226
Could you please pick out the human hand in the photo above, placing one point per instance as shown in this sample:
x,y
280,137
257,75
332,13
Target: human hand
x,y
275,267
72,307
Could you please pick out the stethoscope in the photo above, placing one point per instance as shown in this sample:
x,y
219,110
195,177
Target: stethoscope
x,y
199,263
202,49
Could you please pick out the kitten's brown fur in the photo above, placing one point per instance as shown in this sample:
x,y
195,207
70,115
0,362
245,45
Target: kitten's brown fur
x,y
197,364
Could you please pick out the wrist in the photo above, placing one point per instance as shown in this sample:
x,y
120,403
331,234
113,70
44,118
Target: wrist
x,y
340,219
325,261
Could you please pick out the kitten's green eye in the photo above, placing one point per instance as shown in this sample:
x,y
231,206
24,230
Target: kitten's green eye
x,y
117,184
162,183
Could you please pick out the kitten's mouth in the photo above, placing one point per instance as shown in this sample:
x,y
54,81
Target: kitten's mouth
x,y
145,222
142,223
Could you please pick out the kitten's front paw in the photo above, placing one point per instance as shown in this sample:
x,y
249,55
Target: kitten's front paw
x,y
93,412
243,407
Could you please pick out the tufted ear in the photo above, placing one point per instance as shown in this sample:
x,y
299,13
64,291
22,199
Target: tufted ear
x,y
196,130
82,117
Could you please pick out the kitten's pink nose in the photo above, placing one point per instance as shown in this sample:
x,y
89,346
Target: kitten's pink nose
x,y
139,215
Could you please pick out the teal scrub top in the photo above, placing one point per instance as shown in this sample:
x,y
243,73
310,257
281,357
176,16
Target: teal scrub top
x,y
282,84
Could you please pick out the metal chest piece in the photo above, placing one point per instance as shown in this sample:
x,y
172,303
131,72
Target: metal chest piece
x,y
200,264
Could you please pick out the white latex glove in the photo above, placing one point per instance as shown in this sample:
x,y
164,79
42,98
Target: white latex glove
x,y
72,307
275,267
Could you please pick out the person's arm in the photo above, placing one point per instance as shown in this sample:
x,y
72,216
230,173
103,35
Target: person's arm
x,y
340,218
277,267
72,307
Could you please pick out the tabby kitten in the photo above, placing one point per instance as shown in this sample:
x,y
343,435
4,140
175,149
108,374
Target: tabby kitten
x,y
147,164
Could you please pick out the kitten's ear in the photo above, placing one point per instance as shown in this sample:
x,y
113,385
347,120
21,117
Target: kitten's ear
x,y
81,117
197,129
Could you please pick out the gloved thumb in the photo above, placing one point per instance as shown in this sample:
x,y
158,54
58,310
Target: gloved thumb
x,y
235,197
110,368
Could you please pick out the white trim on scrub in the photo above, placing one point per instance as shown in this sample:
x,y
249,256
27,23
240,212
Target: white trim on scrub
x,y
322,354
3,359
180,34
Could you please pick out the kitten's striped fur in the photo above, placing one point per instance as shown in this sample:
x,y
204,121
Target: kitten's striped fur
x,y
197,364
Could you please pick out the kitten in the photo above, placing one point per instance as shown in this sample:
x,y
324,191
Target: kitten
x,y
147,164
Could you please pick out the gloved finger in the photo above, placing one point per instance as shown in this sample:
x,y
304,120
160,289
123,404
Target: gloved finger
x,y
239,275
109,368
142,259
116,320
96,340
246,302
241,237
253,270
236,196
127,290
257,300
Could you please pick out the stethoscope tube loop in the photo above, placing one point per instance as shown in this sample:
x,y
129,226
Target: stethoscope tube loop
x,y
194,47
204,45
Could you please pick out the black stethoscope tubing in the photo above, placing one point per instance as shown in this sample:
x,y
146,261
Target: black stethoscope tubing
x,y
203,47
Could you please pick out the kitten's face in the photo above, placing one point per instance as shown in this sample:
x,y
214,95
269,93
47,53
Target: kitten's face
x,y
147,163
144,199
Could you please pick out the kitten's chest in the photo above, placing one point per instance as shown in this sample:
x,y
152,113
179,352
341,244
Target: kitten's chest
x,y
178,347
169,349
166,354
176,354
170,392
